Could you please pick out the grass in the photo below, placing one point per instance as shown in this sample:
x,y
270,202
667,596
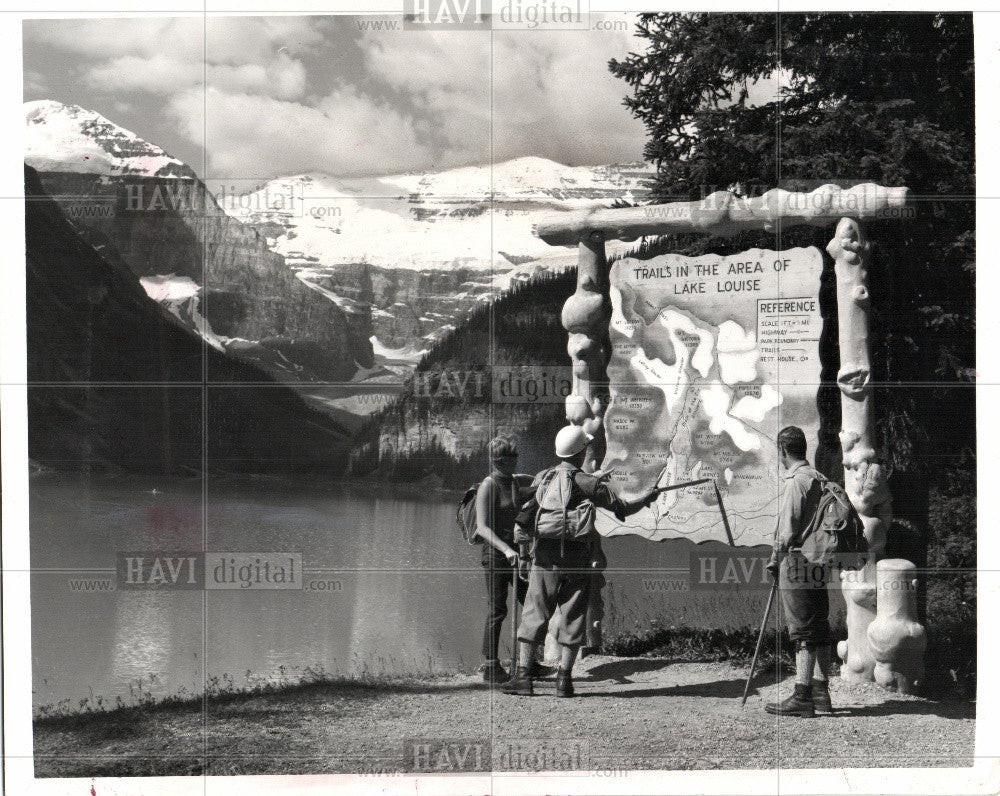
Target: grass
x,y
269,728
376,671
685,632
690,644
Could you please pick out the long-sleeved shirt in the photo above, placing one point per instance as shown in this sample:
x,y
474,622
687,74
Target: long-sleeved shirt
x,y
800,495
585,487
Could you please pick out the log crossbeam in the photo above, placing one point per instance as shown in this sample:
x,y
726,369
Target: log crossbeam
x,y
724,214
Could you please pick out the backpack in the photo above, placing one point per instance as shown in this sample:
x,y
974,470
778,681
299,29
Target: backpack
x,y
466,515
555,520
835,532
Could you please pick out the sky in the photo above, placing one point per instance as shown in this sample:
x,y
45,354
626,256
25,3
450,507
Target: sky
x,y
258,97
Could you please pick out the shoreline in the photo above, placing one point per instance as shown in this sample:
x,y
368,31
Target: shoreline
x,y
422,489
670,646
629,714
189,702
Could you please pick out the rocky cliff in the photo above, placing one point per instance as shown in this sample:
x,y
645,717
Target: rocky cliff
x,y
423,250
150,212
115,380
408,307
440,424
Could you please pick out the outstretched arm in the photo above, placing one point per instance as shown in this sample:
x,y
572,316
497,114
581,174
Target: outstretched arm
x,y
605,498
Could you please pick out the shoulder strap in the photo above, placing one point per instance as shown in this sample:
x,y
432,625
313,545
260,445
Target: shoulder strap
x,y
540,493
816,475
571,482
813,523
823,481
546,479
513,486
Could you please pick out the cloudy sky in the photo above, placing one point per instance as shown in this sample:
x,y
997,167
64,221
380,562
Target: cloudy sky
x,y
257,97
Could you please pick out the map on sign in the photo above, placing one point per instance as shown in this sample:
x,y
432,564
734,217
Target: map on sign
x,y
711,357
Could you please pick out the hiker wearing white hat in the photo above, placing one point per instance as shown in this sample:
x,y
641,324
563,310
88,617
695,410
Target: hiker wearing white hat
x,y
571,440
558,522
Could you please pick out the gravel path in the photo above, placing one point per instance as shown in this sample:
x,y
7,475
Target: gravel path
x,y
630,713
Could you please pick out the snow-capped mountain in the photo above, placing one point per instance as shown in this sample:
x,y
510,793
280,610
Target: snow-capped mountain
x,y
149,212
312,277
473,217
70,138
422,249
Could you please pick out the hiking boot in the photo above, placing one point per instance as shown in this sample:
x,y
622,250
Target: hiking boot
x,y
821,697
520,684
800,703
539,670
564,683
494,673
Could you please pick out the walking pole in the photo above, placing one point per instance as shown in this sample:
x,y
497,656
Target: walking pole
x,y
725,517
760,640
513,614
672,487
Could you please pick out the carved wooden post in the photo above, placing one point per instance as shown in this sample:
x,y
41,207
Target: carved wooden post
x,y
864,477
586,316
896,638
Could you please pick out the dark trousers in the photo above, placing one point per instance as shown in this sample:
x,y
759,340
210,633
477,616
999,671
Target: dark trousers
x,y
499,576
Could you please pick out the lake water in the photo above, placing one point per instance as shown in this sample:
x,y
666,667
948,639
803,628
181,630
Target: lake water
x,y
391,586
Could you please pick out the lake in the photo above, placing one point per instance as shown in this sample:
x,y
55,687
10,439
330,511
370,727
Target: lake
x,y
390,587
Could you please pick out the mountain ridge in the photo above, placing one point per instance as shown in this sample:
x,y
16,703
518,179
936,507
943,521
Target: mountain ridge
x,y
423,250
143,208
381,268
82,140
116,382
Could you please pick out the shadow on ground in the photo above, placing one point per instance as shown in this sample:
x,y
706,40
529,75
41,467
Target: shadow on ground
x,y
619,671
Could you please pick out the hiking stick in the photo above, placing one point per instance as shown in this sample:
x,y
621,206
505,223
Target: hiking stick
x,y
725,517
513,614
661,489
672,487
760,640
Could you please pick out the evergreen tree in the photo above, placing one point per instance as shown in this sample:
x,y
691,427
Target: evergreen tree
x,y
799,100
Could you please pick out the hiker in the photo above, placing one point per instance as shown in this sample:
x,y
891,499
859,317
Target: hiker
x,y
803,585
558,523
498,500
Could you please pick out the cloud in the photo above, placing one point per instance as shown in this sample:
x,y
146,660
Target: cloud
x,y
218,40
35,84
280,76
445,75
241,40
182,38
294,94
160,74
552,93
254,136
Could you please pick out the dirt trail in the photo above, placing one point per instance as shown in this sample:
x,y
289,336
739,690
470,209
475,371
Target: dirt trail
x,y
630,713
